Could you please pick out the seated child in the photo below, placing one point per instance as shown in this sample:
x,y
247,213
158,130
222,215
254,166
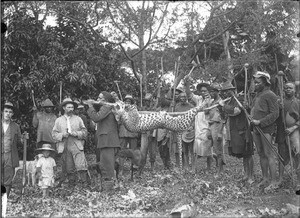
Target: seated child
x,y
46,168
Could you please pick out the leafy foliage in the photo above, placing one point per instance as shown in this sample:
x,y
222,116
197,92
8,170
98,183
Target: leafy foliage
x,y
38,57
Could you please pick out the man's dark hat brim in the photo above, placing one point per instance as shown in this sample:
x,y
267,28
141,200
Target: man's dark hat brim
x,y
179,90
200,85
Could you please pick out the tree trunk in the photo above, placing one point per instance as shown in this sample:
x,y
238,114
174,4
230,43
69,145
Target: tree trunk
x,y
225,37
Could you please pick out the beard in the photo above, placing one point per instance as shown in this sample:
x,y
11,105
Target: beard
x,y
70,112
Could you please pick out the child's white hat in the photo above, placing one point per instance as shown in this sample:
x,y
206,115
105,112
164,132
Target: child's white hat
x,y
46,147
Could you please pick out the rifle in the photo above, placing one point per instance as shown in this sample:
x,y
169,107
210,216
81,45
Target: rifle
x,y
287,138
258,129
26,137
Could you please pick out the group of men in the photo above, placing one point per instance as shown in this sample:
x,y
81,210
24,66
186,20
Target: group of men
x,y
233,124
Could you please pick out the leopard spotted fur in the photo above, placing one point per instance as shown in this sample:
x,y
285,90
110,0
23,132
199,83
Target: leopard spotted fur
x,y
136,122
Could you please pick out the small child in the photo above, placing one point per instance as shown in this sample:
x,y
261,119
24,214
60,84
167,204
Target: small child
x,y
46,168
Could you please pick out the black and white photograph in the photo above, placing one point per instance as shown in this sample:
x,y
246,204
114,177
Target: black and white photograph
x,y
150,108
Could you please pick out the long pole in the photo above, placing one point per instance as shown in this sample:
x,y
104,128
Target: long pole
x,y
60,96
26,136
287,138
246,83
117,84
141,90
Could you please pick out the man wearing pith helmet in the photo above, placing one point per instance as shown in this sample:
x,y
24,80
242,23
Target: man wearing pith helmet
x,y
44,121
10,139
70,133
265,111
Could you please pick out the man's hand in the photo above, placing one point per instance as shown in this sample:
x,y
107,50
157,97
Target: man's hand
x,y
288,131
255,122
89,102
245,104
39,175
172,104
74,134
165,140
187,80
222,103
220,137
65,135
34,109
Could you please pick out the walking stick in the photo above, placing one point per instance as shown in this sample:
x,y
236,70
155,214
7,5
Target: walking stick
x,y
26,136
287,138
141,90
246,83
262,134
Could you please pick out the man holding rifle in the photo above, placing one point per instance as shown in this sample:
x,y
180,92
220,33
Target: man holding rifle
x,y
238,135
264,113
291,107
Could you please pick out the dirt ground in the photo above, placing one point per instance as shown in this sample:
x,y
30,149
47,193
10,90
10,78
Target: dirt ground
x,y
162,192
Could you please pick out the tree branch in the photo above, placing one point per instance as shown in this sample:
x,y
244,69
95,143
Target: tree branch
x,y
131,61
88,26
212,38
223,14
162,20
119,28
97,15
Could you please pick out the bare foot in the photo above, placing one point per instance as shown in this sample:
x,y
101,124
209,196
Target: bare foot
x,y
272,187
245,178
263,183
279,182
250,181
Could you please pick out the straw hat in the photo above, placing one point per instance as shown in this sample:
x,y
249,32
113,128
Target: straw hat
x,y
80,106
68,101
129,97
47,103
9,105
46,147
259,74
215,87
227,86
